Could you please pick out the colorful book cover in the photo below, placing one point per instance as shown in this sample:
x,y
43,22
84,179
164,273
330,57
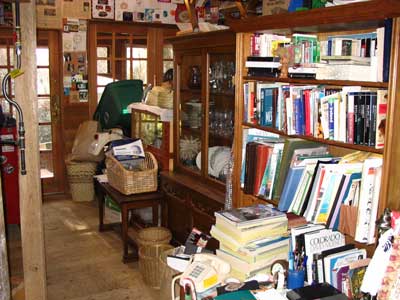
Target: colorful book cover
x,y
382,100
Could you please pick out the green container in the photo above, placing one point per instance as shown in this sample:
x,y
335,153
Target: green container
x,y
111,111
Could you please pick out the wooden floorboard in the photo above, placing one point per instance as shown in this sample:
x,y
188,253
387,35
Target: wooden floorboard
x,y
83,264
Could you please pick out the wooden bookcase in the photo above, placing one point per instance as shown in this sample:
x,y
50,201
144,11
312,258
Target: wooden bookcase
x,y
355,17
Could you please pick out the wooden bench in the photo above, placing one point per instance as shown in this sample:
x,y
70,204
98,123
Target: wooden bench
x,y
126,203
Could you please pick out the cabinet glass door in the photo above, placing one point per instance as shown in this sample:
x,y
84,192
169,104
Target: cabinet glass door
x,y
221,107
190,81
148,127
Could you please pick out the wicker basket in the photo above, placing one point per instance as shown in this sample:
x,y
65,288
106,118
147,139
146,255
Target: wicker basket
x,y
133,182
80,179
166,275
154,235
149,263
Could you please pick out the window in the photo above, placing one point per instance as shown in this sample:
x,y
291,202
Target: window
x,y
6,65
168,57
119,56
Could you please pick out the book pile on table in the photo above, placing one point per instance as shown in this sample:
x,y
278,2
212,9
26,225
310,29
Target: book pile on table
x,y
251,238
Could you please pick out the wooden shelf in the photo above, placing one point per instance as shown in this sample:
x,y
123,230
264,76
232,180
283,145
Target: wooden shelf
x,y
223,94
356,16
322,141
193,91
320,82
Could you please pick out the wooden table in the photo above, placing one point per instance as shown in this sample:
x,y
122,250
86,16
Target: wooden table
x,y
126,203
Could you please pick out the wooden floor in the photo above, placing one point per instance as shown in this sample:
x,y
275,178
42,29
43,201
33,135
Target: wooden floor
x,y
82,264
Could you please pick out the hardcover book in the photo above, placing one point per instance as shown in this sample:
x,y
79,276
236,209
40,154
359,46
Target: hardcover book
x,y
255,214
316,242
382,97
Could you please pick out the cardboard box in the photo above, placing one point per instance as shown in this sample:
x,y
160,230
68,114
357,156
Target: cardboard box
x,y
112,212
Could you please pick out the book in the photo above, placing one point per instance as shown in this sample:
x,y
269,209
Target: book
x,y
336,260
288,149
290,187
246,268
300,231
251,135
382,100
347,59
238,295
320,291
333,219
269,178
263,155
320,262
368,200
244,236
355,276
247,256
251,215
318,241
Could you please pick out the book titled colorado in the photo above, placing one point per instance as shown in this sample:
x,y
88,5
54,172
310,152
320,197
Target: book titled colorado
x,y
320,291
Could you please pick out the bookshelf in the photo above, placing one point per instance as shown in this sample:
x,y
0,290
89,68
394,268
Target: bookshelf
x,y
322,22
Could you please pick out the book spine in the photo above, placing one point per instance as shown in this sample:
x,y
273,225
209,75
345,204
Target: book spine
x,y
267,107
372,114
262,107
307,112
357,119
297,113
246,101
331,118
350,118
381,118
252,103
362,116
387,49
367,125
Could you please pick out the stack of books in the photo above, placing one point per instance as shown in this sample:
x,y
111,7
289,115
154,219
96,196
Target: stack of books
x,y
251,238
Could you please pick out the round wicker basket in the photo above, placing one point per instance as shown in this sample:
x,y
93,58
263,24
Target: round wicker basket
x,y
149,263
166,275
80,179
154,235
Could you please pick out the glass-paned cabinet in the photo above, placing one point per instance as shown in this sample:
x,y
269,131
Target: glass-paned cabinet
x,y
204,104
153,126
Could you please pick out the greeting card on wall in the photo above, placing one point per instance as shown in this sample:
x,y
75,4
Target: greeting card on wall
x,y
75,77
48,14
103,9
161,11
79,9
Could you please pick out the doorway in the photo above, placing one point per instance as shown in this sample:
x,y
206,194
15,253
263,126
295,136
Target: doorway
x,y
49,107
48,88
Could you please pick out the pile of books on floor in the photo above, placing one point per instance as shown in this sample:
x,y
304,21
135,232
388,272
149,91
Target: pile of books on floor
x,y
251,238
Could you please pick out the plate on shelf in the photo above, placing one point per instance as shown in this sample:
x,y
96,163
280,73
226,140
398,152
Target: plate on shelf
x,y
218,159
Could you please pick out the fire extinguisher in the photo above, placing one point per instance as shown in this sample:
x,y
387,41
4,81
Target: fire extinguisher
x,y
9,169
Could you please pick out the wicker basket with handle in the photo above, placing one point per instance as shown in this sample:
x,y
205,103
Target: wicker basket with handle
x,y
133,182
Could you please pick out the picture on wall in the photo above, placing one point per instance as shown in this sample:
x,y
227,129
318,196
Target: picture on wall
x,y
103,9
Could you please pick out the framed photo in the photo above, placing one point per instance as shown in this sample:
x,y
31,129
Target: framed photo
x,y
103,9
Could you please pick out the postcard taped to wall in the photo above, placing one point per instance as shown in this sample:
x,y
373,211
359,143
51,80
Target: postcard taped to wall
x,y
75,61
